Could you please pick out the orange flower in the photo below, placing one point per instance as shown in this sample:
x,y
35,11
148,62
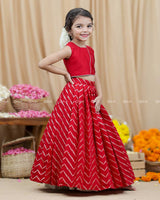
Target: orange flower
x,y
149,173
147,135
146,178
146,151
151,158
156,155
153,145
154,130
149,177
153,175
137,179
142,132
136,137
157,150
148,142
136,149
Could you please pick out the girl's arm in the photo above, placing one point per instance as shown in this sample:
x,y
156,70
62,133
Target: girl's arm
x,y
47,62
98,99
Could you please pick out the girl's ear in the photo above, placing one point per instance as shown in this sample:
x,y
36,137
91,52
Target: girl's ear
x,y
70,34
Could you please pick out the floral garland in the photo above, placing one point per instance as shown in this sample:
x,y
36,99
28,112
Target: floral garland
x,y
27,92
122,129
148,142
150,176
64,38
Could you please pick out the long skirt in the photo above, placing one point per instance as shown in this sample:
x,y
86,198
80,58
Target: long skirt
x,y
81,148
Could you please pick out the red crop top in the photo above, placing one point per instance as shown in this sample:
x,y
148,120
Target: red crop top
x,y
81,61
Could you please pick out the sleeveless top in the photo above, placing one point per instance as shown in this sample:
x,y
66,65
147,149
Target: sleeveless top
x,y
81,61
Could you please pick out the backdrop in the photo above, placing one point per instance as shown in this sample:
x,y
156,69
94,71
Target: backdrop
x,y
126,41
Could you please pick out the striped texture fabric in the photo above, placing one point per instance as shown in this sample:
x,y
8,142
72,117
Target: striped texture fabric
x,y
80,148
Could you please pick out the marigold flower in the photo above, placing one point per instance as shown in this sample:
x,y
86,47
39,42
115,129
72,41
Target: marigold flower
x,y
146,178
154,130
142,132
137,179
149,143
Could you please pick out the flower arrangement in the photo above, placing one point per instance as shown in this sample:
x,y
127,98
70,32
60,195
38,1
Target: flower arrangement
x,y
122,129
4,92
18,151
25,91
148,142
64,38
25,114
6,115
31,114
150,176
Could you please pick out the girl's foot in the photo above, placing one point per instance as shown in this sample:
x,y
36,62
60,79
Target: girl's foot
x,y
130,188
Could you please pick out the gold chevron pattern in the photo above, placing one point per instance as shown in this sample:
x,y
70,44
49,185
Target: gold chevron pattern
x,y
80,147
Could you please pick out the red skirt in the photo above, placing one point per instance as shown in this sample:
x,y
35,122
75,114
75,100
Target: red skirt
x,y
80,148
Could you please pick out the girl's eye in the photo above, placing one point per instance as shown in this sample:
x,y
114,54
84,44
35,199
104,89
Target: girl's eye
x,y
90,26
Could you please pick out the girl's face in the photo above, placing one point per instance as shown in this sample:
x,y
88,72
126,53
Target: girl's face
x,y
81,29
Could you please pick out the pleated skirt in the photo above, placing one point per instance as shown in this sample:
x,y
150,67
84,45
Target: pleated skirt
x,y
81,148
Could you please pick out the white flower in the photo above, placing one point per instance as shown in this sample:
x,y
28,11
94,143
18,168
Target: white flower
x,y
4,92
125,122
6,115
64,38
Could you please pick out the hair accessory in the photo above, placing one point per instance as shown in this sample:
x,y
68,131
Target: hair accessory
x,y
64,38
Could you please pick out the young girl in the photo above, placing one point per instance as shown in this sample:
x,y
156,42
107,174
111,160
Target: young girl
x,y
80,147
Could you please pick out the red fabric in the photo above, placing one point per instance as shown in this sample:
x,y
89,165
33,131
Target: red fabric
x,y
81,148
81,61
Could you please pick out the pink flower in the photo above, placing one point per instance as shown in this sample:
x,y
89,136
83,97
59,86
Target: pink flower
x,y
18,151
31,114
28,91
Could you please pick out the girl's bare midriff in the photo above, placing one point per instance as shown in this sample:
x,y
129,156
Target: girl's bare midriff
x,y
87,77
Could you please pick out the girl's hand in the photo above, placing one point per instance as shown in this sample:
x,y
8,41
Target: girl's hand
x,y
97,102
67,78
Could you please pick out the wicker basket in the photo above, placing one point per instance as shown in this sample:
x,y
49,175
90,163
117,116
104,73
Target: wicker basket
x,y
27,104
3,103
152,166
20,165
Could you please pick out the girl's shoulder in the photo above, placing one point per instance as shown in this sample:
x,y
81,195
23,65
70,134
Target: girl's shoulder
x,y
71,45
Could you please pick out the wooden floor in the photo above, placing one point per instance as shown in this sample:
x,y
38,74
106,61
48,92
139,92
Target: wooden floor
x,y
24,189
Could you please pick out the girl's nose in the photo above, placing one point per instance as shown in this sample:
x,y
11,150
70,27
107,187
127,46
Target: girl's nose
x,y
85,29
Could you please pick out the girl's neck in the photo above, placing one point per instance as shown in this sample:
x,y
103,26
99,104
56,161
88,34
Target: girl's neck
x,y
79,43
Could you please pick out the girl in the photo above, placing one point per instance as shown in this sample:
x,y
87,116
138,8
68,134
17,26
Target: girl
x,y
80,147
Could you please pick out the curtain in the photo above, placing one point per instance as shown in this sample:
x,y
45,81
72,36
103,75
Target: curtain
x,y
126,41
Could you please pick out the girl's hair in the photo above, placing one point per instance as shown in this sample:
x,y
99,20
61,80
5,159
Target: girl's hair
x,y
73,14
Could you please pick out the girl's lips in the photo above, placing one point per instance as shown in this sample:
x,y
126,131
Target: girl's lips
x,y
84,35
